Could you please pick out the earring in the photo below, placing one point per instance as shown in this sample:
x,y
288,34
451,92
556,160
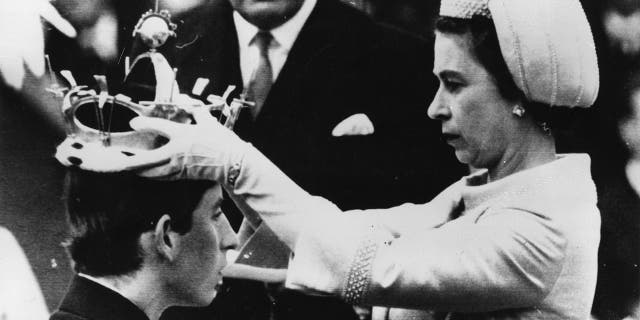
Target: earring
x,y
518,110
546,127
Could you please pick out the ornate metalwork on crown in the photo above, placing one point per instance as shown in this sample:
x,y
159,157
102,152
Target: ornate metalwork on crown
x,y
95,116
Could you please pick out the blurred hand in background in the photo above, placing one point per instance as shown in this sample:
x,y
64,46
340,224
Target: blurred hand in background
x,y
22,38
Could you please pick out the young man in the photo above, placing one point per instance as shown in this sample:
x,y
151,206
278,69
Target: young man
x,y
139,246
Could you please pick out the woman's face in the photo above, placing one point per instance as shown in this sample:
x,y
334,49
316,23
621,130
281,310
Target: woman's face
x,y
476,120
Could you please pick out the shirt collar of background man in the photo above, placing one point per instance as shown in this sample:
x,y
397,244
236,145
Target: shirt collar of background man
x,y
285,35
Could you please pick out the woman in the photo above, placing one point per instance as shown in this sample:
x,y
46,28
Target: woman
x,y
516,240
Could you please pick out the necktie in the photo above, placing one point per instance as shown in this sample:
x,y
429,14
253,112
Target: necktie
x,y
262,77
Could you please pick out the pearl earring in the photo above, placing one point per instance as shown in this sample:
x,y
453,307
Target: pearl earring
x,y
546,127
518,110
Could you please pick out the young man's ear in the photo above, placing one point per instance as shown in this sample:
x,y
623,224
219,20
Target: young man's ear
x,y
166,239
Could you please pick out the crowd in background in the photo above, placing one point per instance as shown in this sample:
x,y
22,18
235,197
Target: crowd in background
x,y
610,132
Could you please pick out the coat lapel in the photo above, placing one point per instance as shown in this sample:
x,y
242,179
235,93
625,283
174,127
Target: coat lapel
x,y
316,37
90,300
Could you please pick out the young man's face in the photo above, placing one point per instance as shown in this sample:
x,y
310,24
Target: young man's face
x,y
201,257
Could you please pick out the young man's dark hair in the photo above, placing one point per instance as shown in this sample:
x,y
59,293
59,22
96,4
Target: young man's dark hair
x,y
107,213
141,246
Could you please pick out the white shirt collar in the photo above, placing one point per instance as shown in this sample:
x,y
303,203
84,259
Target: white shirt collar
x,y
101,282
246,31
285,35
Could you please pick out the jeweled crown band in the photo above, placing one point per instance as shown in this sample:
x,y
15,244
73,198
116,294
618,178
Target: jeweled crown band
x,y
465,9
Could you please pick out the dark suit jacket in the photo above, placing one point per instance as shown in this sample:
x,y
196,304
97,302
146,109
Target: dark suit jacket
x,y
86,299
342,63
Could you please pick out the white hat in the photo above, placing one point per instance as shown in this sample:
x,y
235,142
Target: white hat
x,y
547,45
464,9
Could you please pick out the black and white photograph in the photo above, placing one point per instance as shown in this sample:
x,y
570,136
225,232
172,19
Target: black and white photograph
x,y
319,159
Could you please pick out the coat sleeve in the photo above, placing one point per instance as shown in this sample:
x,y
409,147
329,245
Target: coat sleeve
x,y
264,193
505,259
408,256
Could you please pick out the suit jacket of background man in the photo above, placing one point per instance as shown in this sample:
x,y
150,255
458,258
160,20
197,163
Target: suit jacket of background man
x,y
342,63
86,299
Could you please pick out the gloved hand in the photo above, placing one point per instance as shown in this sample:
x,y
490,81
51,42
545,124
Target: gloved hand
x,y
90,154
261,191
22,39
204,151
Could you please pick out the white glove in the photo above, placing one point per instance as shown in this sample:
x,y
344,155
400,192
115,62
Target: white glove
x,y
22,39
210,151
203,151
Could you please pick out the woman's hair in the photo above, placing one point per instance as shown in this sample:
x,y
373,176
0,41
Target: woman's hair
x,y
108,212
486,47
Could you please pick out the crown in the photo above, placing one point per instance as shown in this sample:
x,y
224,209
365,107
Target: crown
x,y
97,123
465,9
155,27
99,137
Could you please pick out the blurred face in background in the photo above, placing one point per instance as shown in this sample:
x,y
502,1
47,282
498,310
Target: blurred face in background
x,y
267,14
630,126
178,6
476,119
623,31
97,25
